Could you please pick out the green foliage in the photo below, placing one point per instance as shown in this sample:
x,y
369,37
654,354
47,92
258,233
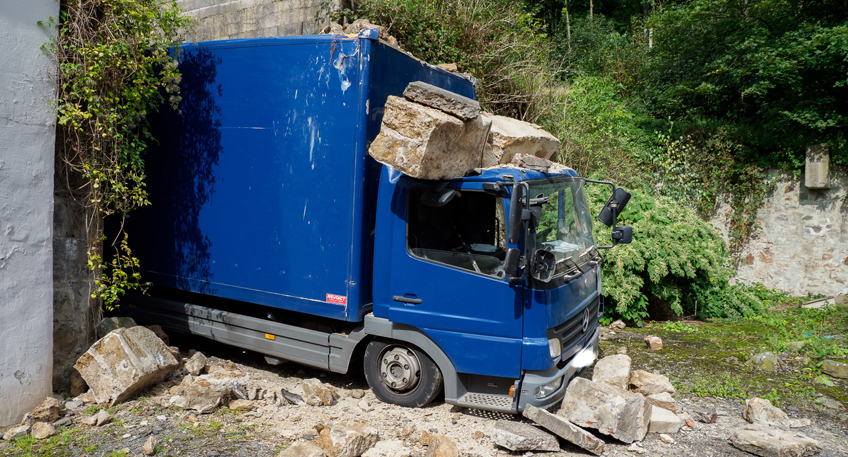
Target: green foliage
x,y
773,71
821,330
114,69
676,260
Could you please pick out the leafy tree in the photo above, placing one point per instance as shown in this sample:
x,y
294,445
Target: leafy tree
x,y
774,71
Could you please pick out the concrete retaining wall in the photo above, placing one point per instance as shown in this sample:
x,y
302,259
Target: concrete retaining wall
x,y
802,244
27,136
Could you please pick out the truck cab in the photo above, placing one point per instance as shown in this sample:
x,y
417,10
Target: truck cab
x,y
271,229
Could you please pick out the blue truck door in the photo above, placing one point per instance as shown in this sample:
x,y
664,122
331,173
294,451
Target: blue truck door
x,y
447,279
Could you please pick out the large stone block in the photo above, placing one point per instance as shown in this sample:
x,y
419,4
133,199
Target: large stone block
x,y
621,414
441,99
613,370
664,421
565,429
518,436
647,383
769,442
761,411
124,362
426,143
510,136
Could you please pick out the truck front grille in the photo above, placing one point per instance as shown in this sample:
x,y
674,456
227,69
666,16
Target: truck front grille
x,y
571,332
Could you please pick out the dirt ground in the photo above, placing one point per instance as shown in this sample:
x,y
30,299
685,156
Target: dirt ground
x,y
270,427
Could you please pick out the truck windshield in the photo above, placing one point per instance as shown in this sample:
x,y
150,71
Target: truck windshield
x,y
565,227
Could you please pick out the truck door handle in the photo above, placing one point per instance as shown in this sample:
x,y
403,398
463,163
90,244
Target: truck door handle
x,y
402,299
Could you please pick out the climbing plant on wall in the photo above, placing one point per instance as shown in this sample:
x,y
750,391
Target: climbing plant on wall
x,y
115,67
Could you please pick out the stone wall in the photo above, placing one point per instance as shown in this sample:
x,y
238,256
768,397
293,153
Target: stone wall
x,y
230,19
801,245
27,136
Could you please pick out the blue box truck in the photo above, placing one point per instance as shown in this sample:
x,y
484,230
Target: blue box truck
x,y
271,229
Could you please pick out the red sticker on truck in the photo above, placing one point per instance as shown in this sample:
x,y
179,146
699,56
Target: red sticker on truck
x,y
337,299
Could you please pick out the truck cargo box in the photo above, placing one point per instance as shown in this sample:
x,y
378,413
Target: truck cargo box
x,y
261,187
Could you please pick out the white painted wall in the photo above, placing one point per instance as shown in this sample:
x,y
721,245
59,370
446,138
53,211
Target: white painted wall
x,y
27,136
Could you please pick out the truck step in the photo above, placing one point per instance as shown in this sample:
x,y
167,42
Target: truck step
x,y
490,402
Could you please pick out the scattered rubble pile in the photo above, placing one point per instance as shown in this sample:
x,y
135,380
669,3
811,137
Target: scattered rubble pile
x,y
617,407
432,133
357,26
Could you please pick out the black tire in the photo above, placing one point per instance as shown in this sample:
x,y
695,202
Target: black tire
x,y
413,388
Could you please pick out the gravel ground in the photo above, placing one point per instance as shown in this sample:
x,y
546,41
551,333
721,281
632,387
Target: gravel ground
x,y
272,427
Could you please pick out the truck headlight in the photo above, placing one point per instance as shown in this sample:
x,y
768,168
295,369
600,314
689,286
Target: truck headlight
x,y
549,388
555,347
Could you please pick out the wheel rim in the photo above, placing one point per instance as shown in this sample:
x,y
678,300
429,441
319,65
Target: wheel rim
x,y
400,369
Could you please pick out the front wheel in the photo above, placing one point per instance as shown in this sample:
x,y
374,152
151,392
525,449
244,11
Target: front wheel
x,y
401,374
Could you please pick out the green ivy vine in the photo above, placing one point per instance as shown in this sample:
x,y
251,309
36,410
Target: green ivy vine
x,y
115,66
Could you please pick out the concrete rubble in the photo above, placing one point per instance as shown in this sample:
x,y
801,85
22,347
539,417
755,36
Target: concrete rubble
x,y
124,362
664,421
389,448
427,143
532,162
621,414
42,430
565,429
760,411
770,442
442,446
196,364
15,432
303,449
47,411
613,370
647,383
518,436
654,343
701,414
510,136
444,100
347,439
200,394
319,394
664,400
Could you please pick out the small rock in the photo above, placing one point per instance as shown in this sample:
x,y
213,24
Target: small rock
x,y
426,438
795,346
798,423
407,429
654,343
365,406
103,417
666,439
86,398
650,383
705,415
347,439
41,430
252,393
160,333
388,448
664,421
664,400
196,364
202,396
16,432
622,350
564,429
613,370
357,393
766,441
451,67
518,436
635,448
73,404
47,411
478,435
149,447
90,420
829,403
293,399
303,449
324,392
157,429
241,405
760,411
63,422
617,325
765,361
441,446
835,369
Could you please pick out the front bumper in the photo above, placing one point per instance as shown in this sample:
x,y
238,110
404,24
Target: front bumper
x,y
535,379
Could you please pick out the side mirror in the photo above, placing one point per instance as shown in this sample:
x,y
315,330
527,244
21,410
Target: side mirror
x,y
622,234
544,265
616,203
515,209
513,256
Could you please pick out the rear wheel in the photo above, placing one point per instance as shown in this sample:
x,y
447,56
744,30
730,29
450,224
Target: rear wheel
x,y
401,374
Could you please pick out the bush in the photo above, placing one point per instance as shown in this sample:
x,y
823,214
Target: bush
x,y
676,259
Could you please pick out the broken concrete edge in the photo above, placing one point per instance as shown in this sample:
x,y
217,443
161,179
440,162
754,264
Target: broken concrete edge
x,y
565,429
449,102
